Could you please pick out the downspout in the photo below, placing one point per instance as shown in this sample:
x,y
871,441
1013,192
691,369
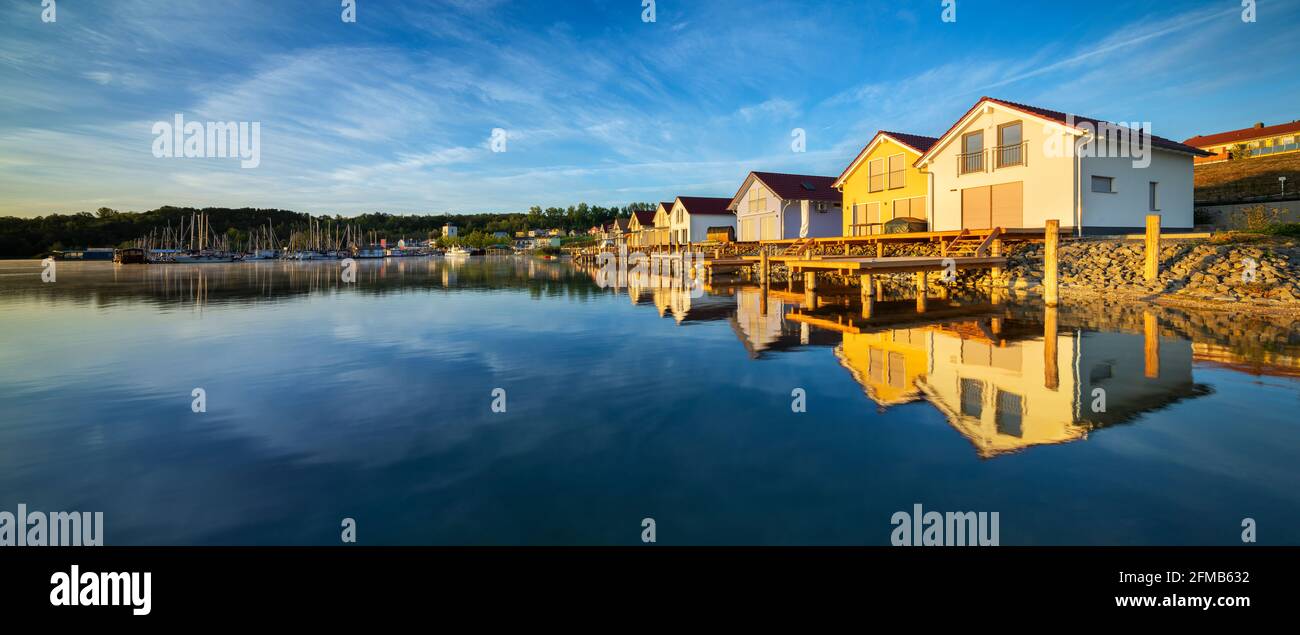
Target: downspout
x,y
1078,190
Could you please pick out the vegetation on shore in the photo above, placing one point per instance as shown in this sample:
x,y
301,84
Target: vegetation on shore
x,y
36,237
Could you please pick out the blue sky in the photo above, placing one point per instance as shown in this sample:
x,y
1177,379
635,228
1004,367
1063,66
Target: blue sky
x,y
395,112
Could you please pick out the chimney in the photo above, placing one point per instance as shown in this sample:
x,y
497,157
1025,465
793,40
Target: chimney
x,y
1259,124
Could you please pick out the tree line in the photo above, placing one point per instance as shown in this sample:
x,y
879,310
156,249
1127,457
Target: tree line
x,y
37,237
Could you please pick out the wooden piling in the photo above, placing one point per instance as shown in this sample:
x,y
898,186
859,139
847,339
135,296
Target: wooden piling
x,y
996,250
765,267
867,291
1151,344
810,289
880,249
1051,239
1051,377
1152,269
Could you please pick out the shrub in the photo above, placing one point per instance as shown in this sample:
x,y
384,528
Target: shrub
x,y
1257,218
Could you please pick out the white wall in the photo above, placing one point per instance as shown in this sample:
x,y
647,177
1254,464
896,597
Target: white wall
x,y
1128,206
1048,173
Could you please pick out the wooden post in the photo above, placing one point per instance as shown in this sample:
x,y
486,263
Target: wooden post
x,y
880,289
1151,344
920,292
1051,378
1153,247
996,250
810,289
880,249
867,290
765,268
762,299
1051,238
846,248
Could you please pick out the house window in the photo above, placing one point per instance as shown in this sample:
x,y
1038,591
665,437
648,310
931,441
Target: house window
x,y
1010,145
1103,184
897,175
876,175
971,393
1009,414
972,157
1153,197
757,200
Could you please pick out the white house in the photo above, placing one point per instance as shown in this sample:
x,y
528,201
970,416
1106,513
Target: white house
x,y
449,230
1010,165
691,217
774,206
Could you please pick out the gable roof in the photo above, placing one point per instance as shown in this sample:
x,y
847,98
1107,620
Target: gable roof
x,y
1055,116
644,218
791,187
1243,134
915,142
705,205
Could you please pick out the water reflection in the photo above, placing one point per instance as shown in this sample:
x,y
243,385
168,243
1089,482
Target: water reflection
x,y
1005,376
641,397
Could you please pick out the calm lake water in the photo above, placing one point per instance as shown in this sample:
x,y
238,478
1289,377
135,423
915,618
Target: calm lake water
x,y
373,401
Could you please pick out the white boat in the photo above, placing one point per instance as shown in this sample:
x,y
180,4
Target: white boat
x,y
458,252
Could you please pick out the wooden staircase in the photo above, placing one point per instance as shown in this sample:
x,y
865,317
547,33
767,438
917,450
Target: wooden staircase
x,y
966,245
798,247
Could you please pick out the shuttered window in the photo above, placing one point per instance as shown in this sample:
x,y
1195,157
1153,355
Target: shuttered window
x,y
876,175
897,173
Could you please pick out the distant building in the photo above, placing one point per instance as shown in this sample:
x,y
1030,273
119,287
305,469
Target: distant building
x,y
774,206
450,231
1260,139
691,217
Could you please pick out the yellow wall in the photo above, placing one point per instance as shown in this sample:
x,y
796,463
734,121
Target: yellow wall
x,y
887,364
856,186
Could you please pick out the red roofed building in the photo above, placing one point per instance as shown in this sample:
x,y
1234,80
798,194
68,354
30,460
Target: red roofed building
x,y
1259,140
777,206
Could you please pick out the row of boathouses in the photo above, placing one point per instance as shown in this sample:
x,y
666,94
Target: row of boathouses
x,y
1001,165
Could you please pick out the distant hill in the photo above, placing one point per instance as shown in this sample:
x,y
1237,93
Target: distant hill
x,y
1248,180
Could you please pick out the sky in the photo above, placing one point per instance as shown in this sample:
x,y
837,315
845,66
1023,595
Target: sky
x,y
395,112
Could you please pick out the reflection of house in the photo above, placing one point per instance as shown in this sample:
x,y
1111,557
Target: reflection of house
x,y
774,206
761,326
1005,391
888,364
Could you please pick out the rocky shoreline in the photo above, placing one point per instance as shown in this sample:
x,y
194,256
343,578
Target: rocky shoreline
x,y
1193,273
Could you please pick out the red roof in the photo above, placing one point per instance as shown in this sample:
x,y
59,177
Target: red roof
x,y
645,219
1069,120
916,142
800,187
696,205
1245,134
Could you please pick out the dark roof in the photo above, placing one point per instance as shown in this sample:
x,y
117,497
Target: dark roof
x,y
1244,134
696,205
668,205
1065,119
919,143
800,187
646,218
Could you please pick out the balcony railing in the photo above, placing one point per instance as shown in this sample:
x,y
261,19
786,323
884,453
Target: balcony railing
x,y
970,162
1009,155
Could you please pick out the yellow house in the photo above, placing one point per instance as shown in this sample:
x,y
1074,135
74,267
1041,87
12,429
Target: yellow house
x,y
641,229
882,183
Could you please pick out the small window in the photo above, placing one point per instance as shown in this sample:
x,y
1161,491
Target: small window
x,y
971,393
897,173
1153,190
1103,184
876,175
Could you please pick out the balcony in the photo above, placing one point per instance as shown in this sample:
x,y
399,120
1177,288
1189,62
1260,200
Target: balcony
x,y
970,162
1009,155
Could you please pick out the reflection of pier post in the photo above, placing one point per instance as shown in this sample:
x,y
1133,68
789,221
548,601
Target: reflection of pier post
x,y
762,300
1050,378
810,289
868,291
1051,238
1151,344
